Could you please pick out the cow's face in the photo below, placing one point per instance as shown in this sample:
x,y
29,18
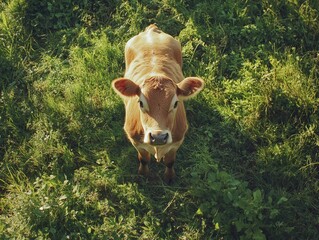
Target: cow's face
x,y
158,102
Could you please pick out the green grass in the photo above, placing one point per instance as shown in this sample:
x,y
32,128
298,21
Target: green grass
x,y
248,168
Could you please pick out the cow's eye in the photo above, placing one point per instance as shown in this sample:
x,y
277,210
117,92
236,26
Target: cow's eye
x,y
141,104
176,104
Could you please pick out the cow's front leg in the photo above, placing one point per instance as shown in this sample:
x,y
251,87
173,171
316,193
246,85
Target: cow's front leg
x,y
169,160
144,158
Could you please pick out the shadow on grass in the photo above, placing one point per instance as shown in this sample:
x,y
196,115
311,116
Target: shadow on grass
x,y
15,111
174,205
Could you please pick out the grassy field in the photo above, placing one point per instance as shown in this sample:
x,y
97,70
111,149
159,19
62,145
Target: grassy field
x,y
248,168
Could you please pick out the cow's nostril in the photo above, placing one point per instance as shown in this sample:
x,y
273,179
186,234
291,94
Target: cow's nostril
x,y
165,137
159,138
152,138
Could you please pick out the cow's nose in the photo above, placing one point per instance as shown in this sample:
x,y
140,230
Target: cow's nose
x,y
158,138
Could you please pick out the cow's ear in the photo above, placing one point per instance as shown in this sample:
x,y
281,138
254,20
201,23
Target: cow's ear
x,y
125,87
189,87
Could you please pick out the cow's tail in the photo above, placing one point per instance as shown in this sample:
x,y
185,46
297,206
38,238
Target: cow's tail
x,y
152,27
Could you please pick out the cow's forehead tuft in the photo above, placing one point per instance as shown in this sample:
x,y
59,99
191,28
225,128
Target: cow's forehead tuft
x,y
159,83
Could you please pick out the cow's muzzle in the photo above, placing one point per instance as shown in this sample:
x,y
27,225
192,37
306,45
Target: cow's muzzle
x,y
159,138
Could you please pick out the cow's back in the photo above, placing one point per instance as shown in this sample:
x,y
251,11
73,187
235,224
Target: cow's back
x,y
153,53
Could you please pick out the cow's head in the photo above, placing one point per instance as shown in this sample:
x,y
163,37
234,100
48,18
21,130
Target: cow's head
x,y
158,100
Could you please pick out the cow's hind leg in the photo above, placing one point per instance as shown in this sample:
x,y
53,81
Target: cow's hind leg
x,y
169,160
144,158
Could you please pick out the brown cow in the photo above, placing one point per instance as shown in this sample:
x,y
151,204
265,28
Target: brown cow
x,y
153,90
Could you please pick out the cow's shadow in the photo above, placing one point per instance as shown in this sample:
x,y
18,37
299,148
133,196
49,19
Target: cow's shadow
x,y
225,145
223,140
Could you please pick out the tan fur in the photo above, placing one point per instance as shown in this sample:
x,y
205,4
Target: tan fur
x,y
154,65
153,53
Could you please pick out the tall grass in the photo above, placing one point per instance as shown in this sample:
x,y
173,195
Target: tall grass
x,y
248,168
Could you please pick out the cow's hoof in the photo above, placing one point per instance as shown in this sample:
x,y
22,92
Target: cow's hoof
x,y
169,175
144,170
